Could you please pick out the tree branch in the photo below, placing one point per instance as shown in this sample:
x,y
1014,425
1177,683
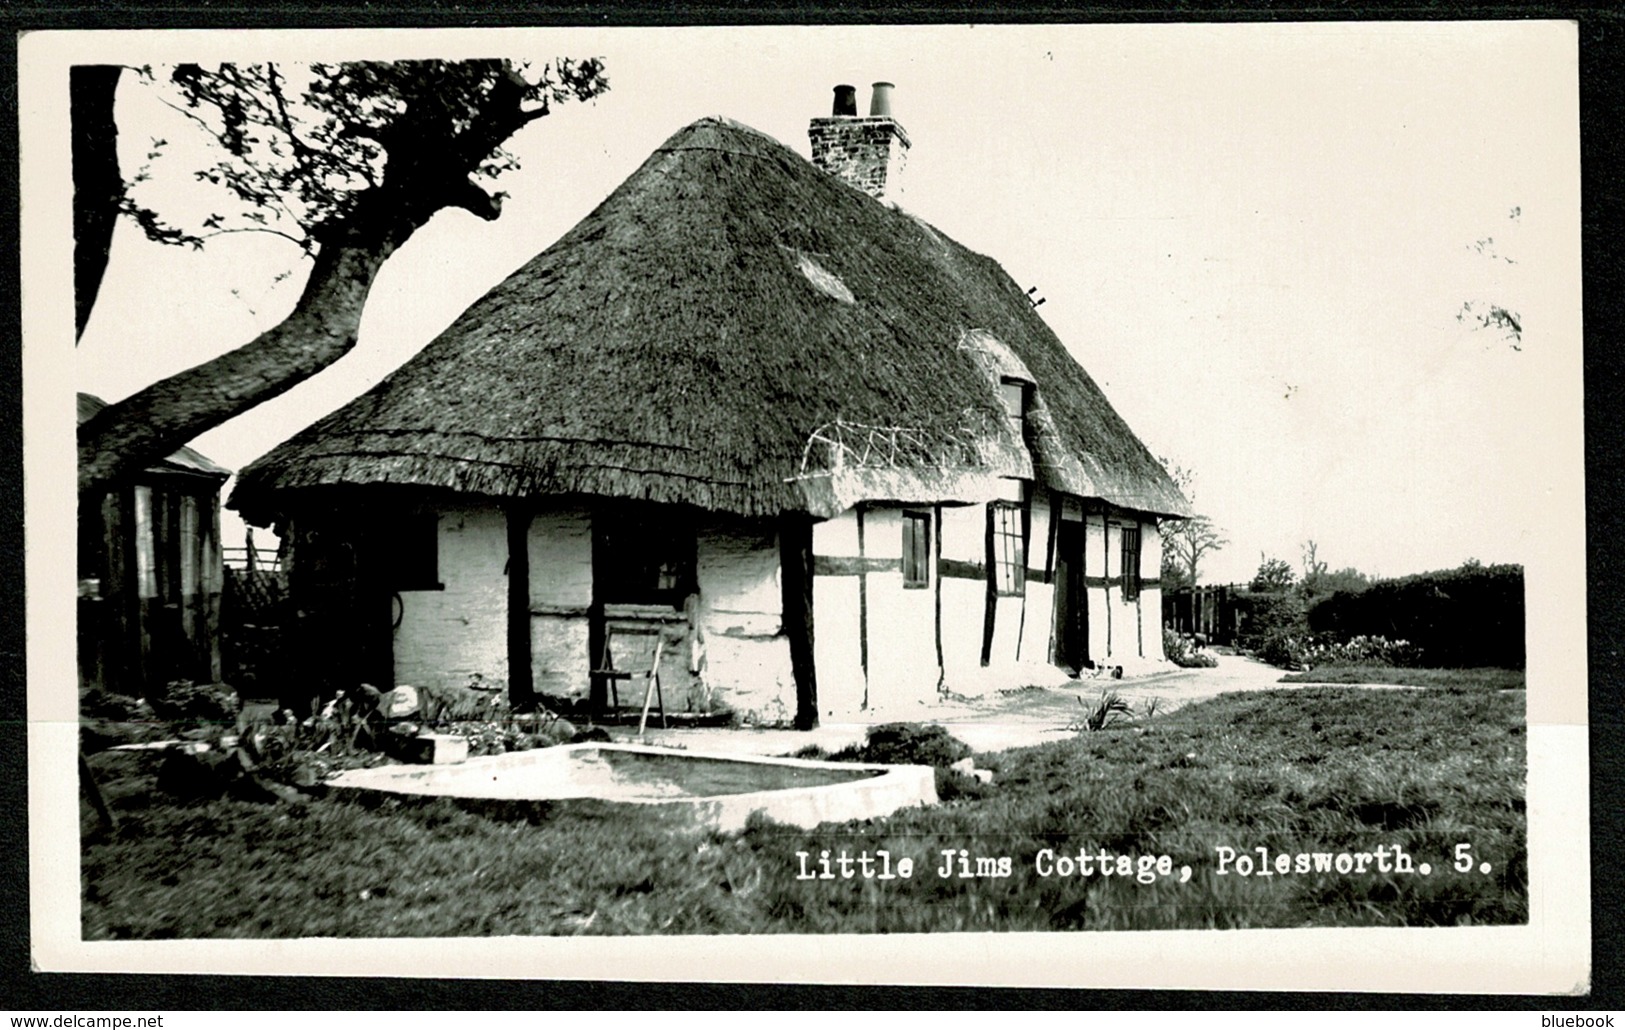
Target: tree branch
x,y
303,245
143,429
268,184
301,152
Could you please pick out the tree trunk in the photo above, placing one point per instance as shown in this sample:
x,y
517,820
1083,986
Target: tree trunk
x,y
97,184
142,429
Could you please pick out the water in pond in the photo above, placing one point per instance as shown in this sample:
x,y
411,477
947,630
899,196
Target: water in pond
x,y
634,774
610,773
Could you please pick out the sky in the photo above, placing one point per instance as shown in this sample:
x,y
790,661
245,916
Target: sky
x,y
1256,238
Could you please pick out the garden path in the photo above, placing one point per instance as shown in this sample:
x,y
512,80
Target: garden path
x,y
1001,721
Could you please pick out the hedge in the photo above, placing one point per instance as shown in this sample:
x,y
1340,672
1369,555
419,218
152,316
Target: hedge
x,y
1264,615
1460,618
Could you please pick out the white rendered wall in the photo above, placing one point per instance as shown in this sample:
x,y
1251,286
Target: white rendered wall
x,y
1038,628
1151,597
1129,616
560,546
902,626
447,637
1007,616
964,601
1038,618
1097,564
837,655
746,654
1132,627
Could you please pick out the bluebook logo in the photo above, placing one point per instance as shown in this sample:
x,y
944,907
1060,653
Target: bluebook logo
x,y
1576,1021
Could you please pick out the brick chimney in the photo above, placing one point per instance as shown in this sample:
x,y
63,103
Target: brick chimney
x,y
867,153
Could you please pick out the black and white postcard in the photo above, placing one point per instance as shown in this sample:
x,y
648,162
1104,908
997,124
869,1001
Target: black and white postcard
x,y
1074,505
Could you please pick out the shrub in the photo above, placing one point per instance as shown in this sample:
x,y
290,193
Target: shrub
x,y
1281,649
1263,616
203,704
1312,651
907,743
1183,654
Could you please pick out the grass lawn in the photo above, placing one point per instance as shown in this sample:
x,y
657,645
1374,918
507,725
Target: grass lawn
x,y
1302,770
1471,679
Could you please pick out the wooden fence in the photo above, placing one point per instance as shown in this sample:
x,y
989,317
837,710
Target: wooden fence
x,y
1208,611
254,620
251,558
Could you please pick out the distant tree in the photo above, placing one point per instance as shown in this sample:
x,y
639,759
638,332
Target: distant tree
x,y
1186,541
1319,582
1193,539
1346,580
1174,575
1313,567
346,161
1489,315
1274,574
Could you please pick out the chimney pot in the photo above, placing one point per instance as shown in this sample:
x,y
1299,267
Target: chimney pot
x,y
880,100
867,154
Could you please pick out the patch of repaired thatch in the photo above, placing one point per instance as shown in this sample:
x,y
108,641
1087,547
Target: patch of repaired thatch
x,y
844,463
684,340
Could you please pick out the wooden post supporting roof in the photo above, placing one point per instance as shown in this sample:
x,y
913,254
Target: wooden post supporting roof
x,y
796,586
521,684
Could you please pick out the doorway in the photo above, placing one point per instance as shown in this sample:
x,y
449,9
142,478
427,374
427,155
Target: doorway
x,y
1071,598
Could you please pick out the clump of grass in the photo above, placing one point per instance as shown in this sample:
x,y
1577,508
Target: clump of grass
x,y
1107,711
1030,688
897,743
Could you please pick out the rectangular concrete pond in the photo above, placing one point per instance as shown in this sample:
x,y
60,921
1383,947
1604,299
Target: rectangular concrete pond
x,y
714,790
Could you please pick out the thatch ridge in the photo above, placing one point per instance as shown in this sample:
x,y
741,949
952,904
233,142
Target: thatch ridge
x,y
682,342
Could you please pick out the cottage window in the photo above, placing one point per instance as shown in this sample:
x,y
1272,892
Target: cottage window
x,y
916,550
1008,566
644,556
1014,394
1131,563
411,548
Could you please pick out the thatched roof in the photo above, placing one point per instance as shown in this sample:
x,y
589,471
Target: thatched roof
x,y
703,335
185,461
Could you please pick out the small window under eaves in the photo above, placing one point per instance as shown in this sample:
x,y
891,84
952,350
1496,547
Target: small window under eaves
x,y
1014,394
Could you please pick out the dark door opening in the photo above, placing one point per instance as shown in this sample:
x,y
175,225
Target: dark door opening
x,y
1071,598
346,610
